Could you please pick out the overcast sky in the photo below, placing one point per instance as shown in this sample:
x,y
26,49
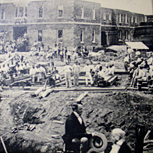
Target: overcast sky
x,y
138,6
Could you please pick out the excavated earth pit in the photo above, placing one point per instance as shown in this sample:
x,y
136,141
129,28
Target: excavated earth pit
x,y
32,125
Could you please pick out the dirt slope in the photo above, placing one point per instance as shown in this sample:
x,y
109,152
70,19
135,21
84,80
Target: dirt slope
x,y
36,125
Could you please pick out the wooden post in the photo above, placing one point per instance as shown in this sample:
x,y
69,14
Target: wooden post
x,y
4,145
140,134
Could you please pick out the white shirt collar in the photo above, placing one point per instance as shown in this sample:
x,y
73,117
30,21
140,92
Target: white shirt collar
x,y
116,147
120,142
78,117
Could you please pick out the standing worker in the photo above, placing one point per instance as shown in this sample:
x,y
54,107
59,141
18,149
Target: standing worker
x,y
126,62
69,56
76,70
87,69
33,73
68,70
55,50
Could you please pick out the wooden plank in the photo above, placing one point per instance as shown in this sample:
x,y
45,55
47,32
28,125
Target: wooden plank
x,y
90,89
24,80
45,93
112,79
38,91
81,96
3,145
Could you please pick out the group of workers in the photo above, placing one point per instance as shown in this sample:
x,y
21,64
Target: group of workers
x,y
91,73
14,45
10,69
38,72
53,52
141,69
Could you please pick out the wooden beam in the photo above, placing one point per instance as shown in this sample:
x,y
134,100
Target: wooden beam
x,y
4,145
81,96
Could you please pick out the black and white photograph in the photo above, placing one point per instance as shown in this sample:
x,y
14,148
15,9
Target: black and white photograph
x,y
76,76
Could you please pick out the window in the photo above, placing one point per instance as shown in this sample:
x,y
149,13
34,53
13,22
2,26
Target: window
x,y
110,16
25,13
60,10
82,15
107,16
136,19
20,12
94,14
93,36
39,35
40,12
126,35
104,16
126,18
120,18
2,13
120,35
82,37
60,33
16,12
131,19
145,18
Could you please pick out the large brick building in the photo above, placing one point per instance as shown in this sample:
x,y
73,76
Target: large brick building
x,y
144,32
70,22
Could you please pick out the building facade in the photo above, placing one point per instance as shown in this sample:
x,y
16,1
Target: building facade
x,y
67,22
144,32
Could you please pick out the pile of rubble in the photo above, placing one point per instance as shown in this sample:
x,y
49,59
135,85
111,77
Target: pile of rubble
x,y
38,124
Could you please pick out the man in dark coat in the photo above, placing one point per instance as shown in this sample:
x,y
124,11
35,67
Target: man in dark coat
x,y
75,136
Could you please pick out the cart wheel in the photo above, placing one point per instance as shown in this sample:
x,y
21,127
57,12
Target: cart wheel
x,y
98,143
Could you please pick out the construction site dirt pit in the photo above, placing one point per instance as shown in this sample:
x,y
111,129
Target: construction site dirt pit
x,y
33,125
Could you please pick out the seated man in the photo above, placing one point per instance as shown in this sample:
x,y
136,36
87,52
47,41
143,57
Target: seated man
x,y
75,131
119,143
111,69
151,71
106,73
142,73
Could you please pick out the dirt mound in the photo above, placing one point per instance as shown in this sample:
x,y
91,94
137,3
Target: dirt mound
x,y
39,124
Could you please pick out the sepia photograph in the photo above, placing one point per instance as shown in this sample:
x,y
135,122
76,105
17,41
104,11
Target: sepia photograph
x,y
76,76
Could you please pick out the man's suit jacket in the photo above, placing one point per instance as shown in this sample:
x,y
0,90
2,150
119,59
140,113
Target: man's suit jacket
x,y
73,129
124,148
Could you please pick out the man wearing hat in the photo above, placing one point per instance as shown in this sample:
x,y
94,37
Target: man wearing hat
x,y
119,143
141,73
150,60
68,70
138,58
75,137
88,69
76,71
126,62
33,73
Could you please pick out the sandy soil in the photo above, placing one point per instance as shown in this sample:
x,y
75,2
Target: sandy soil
x,y
36,125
